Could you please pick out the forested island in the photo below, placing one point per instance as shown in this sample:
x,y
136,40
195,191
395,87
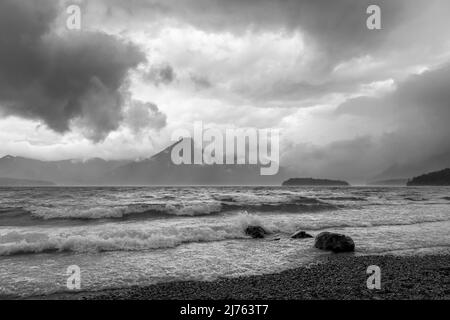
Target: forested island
x,y
314,182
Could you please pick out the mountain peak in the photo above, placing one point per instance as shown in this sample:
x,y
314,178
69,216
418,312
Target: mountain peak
x,y
168,150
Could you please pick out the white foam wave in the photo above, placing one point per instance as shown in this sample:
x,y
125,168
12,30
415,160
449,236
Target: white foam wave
x,y
171,233
194,208
104,212
120,238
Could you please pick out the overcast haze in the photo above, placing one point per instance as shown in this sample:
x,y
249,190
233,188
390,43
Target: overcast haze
x,y
350,102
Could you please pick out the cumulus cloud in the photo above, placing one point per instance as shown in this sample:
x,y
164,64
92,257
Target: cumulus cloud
x,y
75,77
200,82
160,74
142,115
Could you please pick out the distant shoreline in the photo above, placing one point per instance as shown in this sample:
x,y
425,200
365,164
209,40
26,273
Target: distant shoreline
x,y
339,277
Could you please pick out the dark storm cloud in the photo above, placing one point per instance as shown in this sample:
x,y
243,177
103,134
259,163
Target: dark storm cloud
x,y
160,74
334,32
59,78
420,112
200,82
337,28
141,115
420,108
354,159
424,97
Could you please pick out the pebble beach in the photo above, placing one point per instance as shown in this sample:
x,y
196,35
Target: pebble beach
x,y
337,277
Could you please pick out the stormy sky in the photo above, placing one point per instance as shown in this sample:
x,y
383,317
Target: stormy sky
x,y
350,102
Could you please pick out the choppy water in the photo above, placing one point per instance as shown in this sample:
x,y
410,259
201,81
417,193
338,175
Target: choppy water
x,y
122,236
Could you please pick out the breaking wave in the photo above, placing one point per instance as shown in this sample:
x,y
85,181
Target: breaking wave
x,y
291,204
165,210
111,237
114,238
105,212
344,198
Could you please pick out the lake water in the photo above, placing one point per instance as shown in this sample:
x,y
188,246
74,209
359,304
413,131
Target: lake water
x,y
124,236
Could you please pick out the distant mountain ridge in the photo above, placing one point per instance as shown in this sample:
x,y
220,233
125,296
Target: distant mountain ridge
x,y
156,170
71,172
160,170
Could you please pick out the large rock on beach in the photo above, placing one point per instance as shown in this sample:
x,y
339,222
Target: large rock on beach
x,y
301,235
256,232
334,242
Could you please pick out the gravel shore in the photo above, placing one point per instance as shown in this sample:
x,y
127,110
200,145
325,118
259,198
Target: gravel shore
x,y
339,277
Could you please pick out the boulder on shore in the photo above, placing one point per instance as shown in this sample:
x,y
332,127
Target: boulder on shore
x,y
256,232
301,235
334,242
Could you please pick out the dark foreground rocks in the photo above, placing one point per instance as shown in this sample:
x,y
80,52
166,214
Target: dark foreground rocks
x,y
256,232
338,277
301,235
334,242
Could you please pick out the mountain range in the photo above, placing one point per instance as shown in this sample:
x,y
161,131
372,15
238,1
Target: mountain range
x,y
156,170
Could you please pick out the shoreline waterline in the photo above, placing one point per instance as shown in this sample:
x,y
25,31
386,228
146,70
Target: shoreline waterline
x,y
335,277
